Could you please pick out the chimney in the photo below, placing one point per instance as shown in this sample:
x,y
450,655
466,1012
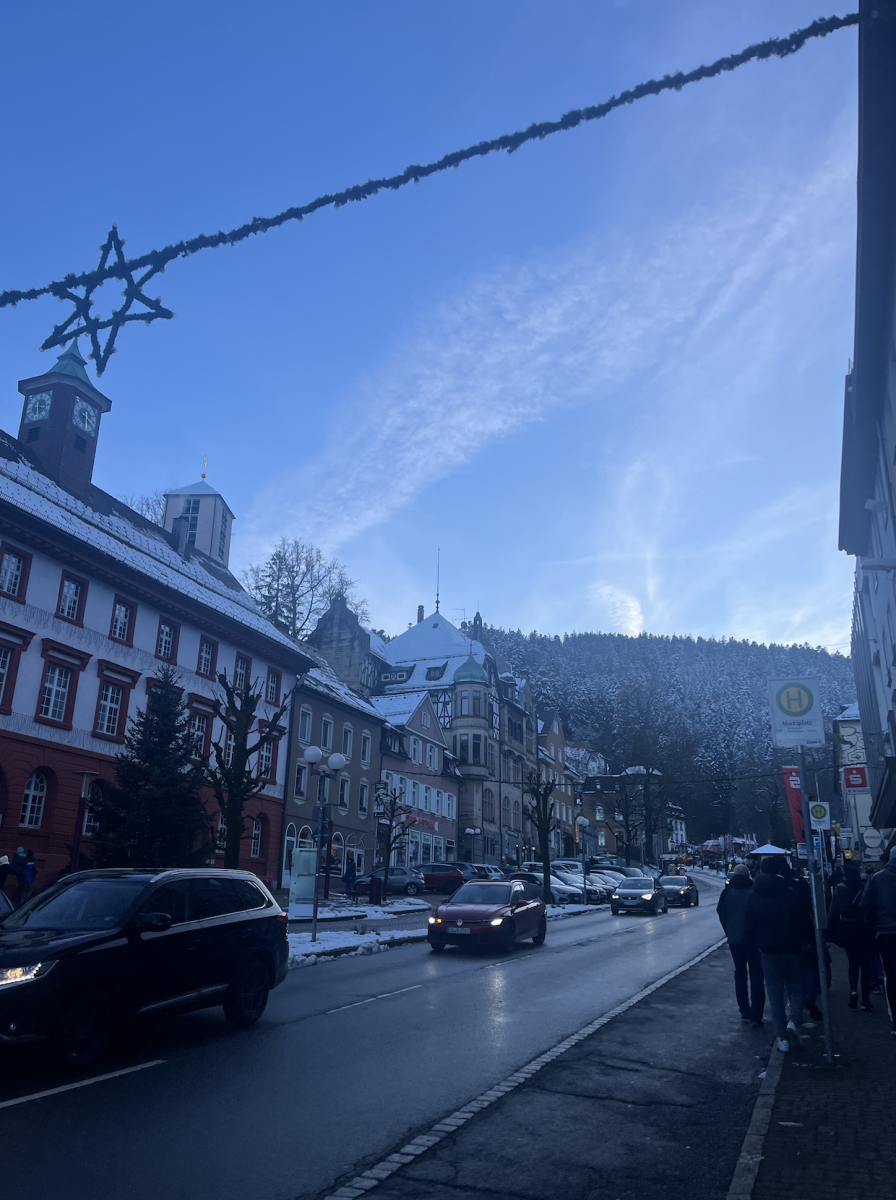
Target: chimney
x,y
419,613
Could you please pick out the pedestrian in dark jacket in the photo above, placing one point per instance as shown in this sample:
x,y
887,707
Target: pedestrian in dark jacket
x,y
848,929
809,951
732,910
776,921
879,902
349,878
18,869
5,868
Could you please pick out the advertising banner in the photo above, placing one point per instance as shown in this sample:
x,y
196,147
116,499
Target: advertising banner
x,y
795,801
855,779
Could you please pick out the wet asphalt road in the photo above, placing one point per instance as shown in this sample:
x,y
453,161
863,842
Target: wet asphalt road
x,y
351,1059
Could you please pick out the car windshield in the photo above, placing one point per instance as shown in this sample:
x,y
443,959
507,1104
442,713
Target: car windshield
x,y
481,893
673,882
634,885
89,905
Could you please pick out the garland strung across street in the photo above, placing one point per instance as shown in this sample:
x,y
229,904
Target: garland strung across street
x,y
80,321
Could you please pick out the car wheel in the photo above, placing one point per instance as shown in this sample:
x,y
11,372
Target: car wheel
x,y
83,1029
248,995
654,908
437,947
508,942
614,911
696,900
538,940
412,889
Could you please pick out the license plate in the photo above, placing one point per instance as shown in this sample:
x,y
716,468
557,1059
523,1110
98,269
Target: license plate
x,y
461,929
631,901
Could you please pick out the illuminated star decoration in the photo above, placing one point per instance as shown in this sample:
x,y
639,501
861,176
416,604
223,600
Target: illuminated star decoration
x,y
83,302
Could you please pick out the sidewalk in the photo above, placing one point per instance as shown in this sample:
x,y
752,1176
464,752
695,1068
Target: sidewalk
x,y
838,1140
655,1104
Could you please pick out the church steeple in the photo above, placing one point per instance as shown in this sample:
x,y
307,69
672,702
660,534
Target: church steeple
x,y
61,421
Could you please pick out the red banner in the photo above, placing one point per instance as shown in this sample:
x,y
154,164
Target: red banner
x,y
795,800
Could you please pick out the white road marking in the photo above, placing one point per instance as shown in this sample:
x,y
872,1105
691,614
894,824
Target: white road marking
x,y
507,961
381,996
70,1087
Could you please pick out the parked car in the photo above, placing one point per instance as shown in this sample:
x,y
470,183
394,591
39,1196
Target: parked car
x,y
561,893
594,893
607,878
572,866
6,905
639,894
486,911
403,881
680,889
101,947
445,877
487,871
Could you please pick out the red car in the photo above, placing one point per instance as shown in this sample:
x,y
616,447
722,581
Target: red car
x,y
490,913
445,877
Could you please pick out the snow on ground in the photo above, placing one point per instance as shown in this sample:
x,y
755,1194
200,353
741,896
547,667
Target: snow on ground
x,y
305,953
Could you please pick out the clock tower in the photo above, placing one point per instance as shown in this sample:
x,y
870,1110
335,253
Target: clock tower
x,y
61,421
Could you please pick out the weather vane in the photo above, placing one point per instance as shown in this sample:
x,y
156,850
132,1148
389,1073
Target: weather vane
x,y
83,302
204,464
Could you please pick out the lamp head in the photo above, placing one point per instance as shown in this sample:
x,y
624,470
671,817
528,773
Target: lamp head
x,y
336,762
313,754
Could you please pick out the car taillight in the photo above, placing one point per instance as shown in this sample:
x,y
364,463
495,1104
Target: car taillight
x,y
283,918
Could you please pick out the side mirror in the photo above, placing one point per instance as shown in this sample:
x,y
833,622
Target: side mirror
x,y
152,922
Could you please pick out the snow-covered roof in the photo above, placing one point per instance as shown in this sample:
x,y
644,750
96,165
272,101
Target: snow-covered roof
x,y
114,530
323,680
398,708
377,645
432,638
194,489
850,713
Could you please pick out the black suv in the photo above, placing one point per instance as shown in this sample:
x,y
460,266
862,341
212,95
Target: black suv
x,y
103,946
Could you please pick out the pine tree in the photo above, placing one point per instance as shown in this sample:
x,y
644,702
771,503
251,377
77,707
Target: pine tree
x,y
155,815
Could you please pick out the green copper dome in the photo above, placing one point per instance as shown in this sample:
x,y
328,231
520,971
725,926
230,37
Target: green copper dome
x,y
470,672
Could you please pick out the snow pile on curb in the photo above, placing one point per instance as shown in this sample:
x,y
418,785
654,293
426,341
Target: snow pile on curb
x,y
572,910
305,953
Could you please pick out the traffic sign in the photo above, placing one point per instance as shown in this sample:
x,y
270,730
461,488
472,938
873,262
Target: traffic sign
x,y
797,719
820,814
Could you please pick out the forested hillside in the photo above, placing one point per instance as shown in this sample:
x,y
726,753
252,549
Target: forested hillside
x,y
694,709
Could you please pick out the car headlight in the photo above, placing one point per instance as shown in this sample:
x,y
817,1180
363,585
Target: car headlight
x,y
647,896
497,921
432,920
12,975
614,897
682,892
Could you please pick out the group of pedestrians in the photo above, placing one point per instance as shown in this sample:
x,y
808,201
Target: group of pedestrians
x,y
771,937
23,869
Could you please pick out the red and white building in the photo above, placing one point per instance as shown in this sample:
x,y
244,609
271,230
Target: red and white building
x,y
94,598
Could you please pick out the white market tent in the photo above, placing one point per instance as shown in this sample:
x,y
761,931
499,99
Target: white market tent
x,y
768,848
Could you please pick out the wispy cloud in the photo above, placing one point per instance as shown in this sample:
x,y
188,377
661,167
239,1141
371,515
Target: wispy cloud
x,y
619,609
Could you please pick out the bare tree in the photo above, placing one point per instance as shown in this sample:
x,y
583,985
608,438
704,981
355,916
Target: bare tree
x,y
393,825
541,813
148,504
234,778
294,587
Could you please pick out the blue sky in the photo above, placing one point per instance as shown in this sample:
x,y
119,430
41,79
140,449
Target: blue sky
x,y
604,374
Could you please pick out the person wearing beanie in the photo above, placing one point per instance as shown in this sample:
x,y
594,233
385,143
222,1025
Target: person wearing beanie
x,y
879,903
749,985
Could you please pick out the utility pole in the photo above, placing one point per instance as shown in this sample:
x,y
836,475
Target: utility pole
x,y
819,910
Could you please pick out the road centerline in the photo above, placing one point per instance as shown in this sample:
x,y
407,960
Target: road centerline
x,y
81,1083
370,999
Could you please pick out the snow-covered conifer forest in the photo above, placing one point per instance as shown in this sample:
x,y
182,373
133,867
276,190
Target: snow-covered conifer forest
x,y
694,709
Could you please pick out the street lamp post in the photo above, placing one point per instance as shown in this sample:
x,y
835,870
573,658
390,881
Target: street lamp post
x,y
583,824
321,813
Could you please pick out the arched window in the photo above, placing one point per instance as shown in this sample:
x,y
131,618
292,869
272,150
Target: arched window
x,y
337,854
33,800
256,838
354,852
306,838
488,805
505,810
517,814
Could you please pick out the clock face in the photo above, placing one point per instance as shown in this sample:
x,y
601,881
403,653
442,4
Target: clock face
x,y
84,417
38,406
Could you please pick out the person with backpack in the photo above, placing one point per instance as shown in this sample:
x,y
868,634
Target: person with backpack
x,y
848,929
879,903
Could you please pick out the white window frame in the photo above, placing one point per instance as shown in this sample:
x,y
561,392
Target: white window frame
x,y
345,793
427,798
11,569
265,760
432,756
199,721
204,665
300,781
5,660
69,599
415,793
34,799
54,694
363,797
255,843
326,733
347,738
305,725
165,641
108,713
365,748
